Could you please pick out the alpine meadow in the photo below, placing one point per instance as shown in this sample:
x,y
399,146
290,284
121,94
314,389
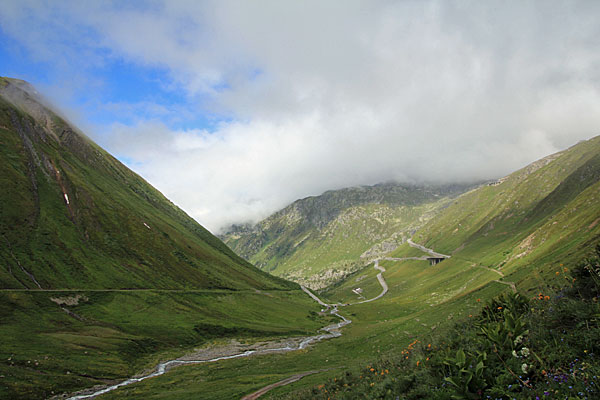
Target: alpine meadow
x,y
299,200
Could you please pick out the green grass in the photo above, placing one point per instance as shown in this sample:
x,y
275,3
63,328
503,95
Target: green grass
x,y
123,333
100,239
408,311
514,348
538,222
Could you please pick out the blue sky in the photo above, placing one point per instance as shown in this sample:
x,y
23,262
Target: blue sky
x,y
234,109
116,81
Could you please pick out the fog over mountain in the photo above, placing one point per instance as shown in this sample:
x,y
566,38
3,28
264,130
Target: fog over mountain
x,y
302,97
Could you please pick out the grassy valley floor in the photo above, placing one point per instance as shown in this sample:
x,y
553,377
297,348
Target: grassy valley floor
x,y
57,341
413,308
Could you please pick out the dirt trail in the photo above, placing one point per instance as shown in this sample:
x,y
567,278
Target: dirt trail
x,y
511,284
489,269
292,344
334,311
286,381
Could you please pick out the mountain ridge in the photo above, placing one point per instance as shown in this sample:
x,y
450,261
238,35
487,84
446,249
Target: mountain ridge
x,y
74,188
319,239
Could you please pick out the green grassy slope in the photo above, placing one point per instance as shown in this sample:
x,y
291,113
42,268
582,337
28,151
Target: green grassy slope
x,y
142,281
114,231
545,212
318,240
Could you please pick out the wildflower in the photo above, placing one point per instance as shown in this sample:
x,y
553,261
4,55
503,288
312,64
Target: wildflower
x,y
525,368
499,308
372,369
387,372
557,273
427,359
525,352
546,297
418,362
518,340
429,346
470,315
478,300
514,353
565,269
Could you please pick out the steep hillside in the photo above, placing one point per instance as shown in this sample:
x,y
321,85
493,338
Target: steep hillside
x,y
318,240
546,213
75,217
100,275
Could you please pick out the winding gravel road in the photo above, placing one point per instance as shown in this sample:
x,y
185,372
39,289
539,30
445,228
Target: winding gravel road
x,y
426,250
382,282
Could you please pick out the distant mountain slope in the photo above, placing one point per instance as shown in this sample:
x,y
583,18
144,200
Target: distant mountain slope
x,y
73,216
547,212
320,239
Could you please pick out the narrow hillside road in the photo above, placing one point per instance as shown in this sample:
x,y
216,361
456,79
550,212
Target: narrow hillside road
x,y
489,269
314,297
426,250
345,321
511,284
424,258
382,282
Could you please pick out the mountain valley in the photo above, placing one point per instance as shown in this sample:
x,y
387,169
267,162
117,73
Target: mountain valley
x,y
105,281
319,240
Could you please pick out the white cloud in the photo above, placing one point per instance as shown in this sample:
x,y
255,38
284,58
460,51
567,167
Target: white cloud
x,y
330,94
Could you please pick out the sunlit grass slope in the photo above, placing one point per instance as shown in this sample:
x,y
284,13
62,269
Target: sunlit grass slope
x,y
530,222
72,216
